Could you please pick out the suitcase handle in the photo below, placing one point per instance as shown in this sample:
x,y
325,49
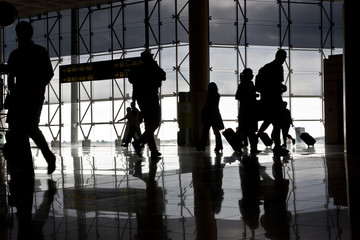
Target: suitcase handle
x,y
299,133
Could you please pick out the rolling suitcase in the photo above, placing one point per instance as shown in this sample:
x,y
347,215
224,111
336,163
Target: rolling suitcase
x,y
306,137
233,139
266,139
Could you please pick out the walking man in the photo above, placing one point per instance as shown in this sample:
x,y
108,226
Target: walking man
x,y
146,80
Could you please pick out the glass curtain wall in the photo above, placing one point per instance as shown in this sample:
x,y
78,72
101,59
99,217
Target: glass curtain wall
x,y
243,33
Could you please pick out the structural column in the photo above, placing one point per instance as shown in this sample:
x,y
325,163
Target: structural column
x,y
351,81
199,61
74,86
351,90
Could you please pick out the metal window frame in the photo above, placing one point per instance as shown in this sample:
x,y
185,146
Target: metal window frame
x,y
118,10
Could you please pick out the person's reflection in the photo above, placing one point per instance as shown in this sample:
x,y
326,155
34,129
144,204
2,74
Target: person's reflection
x,y
208,195
250,186
42,213
150,219
213,176
276,219
257,186
30,226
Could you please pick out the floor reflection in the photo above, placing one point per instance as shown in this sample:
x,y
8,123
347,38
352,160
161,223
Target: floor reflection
x,y
109,193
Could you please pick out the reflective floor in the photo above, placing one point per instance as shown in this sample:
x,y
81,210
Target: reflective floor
x,y
104,192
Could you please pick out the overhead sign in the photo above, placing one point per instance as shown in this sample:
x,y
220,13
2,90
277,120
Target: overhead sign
x,y
111,69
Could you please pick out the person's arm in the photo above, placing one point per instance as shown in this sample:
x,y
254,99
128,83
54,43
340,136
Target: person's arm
x,y
122,119
11,76
125,117
49,72
237,94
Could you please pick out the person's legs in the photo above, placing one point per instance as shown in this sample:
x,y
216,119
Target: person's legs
x,y
39,139
150,109
275,135
253,142
218,141
285,133
18,152
263,127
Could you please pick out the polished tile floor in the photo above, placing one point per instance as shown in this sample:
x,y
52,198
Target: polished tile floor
x,y
103,192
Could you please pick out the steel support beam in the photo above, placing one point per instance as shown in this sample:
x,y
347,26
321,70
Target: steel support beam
x,y
74,86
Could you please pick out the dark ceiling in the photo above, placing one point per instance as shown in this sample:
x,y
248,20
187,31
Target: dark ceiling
x,y
27,8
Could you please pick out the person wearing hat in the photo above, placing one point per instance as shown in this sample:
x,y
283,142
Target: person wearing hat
x,y
146,79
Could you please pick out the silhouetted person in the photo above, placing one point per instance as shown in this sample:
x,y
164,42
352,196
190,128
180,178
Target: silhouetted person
x,y
271,87
211,117
146,80
248,123
286,123
150,213
213,179
30,71
276,219
132,126
250,186
136,112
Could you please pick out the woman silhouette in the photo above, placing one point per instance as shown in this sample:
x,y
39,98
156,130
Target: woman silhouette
x,y
211,117
248,123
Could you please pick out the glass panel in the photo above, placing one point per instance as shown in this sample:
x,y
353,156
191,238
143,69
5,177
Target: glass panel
x,y
169,85
226,81
100,31
10,43
154,23
262,26
221,26
228,107
169,109
39,32
306,84
337,20
306,61
168,22
65,29
259,56
223,59
102,111
100,134
84,31
102,89
135,26
305,36
66,93
306,108
314,128
168,131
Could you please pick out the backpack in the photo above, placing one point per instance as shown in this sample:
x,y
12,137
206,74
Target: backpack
x,y
260,81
